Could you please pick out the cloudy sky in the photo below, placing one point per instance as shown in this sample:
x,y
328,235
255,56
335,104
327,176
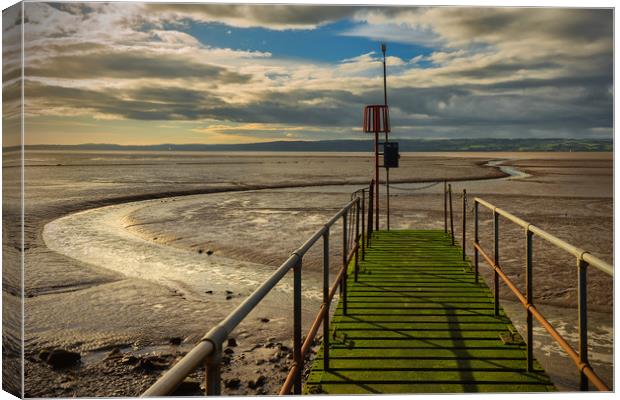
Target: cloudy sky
x,y
140,73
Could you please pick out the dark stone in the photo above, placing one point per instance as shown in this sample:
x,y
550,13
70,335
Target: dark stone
x,y
175,341
209,252
284,348
60,358
260,361
200,251
148,365
115,353
233,383
232,342
264,319
129,359
228,350
229,292
188,388
209,292
43,354
228,297
260,381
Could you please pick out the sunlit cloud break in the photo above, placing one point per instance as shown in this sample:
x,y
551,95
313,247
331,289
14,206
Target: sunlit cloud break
x,y
242,73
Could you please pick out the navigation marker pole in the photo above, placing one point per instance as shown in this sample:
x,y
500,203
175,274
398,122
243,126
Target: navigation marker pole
x,y
387,169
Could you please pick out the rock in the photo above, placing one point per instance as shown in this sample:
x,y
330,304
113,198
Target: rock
x,y
225,360
129,359
260,361
151,364
228,297
269,345
67,385
232,342
264,320
60,358
209,292
115,353
233,383
43,354
260,381
229,292
284,349
188,387
228,350
175,341
200,251
209,252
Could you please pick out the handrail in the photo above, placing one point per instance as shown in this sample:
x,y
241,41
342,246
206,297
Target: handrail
x,y
576,251
583,259
209,348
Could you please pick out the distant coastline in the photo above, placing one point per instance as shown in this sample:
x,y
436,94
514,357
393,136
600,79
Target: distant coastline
x,y
406,145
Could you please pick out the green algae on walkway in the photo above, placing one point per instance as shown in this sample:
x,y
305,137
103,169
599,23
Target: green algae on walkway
x,y
418,323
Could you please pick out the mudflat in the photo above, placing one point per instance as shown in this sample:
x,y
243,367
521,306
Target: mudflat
x,y
132,257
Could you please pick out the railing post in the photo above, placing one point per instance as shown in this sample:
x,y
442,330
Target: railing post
x,y
530,299
476,241
297,326
213,377
464,221
326,300
363,214
357,235
371,193
582,282
451,219
445,207
495,274
345,250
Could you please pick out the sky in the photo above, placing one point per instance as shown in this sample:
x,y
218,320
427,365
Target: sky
x,y
151,73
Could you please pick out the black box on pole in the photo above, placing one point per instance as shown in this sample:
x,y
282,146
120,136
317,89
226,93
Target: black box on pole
x,y
390,155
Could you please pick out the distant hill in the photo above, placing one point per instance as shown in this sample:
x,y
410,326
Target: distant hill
x,y
406,145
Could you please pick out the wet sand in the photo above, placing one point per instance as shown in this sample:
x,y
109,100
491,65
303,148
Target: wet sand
x,y
105,305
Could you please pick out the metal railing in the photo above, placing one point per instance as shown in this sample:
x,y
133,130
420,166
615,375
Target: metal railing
x,y
209,350
583,260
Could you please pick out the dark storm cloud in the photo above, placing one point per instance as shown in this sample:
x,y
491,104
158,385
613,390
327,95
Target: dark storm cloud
x,y
501,69
263,15
575,25
131,65
169,103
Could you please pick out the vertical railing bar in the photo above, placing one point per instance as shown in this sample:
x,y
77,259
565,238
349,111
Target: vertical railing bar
x,y
530,299
451,217
445,207
326,300
476,241
495,275
464,222
345,251
370,210
582,268
357,233
213,375
297,326
363,214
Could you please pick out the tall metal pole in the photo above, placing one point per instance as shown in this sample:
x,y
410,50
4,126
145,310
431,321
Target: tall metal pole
x,y
387,170
377,181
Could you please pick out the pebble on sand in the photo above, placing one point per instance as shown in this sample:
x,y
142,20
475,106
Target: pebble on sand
x,y
61,358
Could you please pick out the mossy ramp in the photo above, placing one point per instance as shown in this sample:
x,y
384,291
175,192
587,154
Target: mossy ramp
x,y
417,322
